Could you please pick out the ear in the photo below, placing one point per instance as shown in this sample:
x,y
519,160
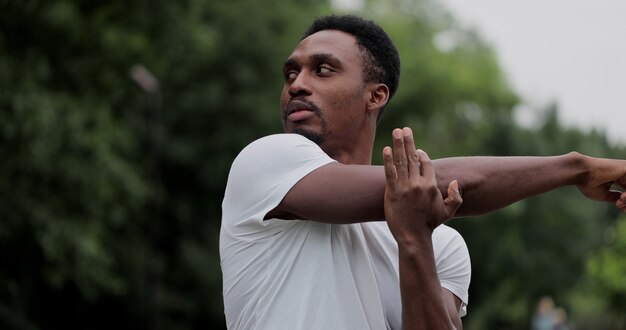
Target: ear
x,y
378,97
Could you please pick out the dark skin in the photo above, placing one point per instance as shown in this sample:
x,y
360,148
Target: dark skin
x,y
325,98
414,207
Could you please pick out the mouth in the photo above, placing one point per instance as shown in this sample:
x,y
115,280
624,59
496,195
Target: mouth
x,y
298,110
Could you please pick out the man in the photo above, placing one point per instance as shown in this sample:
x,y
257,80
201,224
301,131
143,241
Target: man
x,y
302,245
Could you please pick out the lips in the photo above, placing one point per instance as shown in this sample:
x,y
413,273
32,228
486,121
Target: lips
x,y
299,115
298,110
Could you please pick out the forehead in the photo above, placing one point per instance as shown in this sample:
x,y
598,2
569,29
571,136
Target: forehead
x,y
337,43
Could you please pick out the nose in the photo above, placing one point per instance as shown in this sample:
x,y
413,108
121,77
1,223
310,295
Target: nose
x,y
299,86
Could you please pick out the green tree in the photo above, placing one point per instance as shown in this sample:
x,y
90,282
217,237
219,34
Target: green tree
x,y
119,121
110,195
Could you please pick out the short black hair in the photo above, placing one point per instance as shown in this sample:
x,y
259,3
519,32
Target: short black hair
x,y
382,62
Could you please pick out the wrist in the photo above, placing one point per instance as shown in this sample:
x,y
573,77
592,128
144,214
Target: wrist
x,y
410,245
580,164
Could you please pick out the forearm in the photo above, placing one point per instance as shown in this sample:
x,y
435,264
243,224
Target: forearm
x,y
491,183
423,306
338,193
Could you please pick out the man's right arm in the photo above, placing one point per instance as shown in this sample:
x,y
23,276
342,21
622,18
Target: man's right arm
x,y
337,193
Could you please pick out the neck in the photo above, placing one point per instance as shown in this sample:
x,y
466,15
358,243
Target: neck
x,y
363,156
357,152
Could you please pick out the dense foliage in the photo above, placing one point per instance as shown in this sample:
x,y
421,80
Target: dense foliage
x,y
119,120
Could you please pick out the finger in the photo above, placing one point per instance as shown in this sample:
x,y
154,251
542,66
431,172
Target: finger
x,y
453,201
399,156
622,196
411,154
621,202
390,169
428,169
622,181
613,196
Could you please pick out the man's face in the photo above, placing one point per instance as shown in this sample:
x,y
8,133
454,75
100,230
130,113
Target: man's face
x,y
324,95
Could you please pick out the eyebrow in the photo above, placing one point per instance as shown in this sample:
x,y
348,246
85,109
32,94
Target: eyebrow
x,y
316,58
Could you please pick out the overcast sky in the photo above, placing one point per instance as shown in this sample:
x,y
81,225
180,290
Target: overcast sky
x,y
573,52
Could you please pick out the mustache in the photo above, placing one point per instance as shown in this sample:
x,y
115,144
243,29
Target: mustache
x,y
302,101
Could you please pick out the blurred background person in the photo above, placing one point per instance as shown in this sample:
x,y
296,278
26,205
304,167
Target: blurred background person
x,y
544,316
560,319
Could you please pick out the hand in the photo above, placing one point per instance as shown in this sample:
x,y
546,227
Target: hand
x,y
413,203
604,173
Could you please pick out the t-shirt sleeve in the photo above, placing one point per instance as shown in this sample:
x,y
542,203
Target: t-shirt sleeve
x,y
261,176
453,263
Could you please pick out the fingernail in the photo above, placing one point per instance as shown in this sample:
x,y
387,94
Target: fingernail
x,y
397,133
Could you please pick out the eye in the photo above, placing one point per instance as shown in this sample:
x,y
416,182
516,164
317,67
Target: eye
x,y
290,75
323,69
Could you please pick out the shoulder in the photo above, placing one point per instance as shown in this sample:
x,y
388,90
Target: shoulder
x,y
281,138
279,153
444,235
453,262
449,246
263,173
277,143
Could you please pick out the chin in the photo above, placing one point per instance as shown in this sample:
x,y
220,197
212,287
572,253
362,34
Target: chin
x,y
317,138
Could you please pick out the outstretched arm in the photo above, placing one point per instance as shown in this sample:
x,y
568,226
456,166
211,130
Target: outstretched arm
x,y
354,193
490,183
414,207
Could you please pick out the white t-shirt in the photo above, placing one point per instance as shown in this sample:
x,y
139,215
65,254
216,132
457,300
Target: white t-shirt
x,y
301,274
